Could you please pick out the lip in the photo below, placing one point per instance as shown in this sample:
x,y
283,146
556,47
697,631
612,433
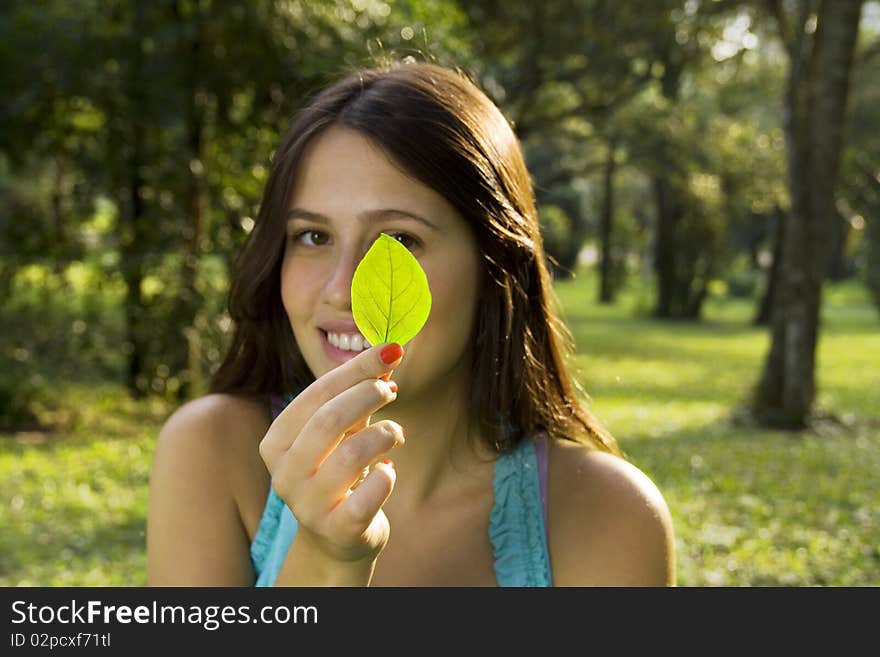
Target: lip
x,y
339,326
334,353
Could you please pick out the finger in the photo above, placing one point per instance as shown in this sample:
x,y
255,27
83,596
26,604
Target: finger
x,y
354,514
363,424
345,465
369,364
326,428
357,427
361,477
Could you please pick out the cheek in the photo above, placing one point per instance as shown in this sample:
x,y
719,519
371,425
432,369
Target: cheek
x,y
297,290
453,307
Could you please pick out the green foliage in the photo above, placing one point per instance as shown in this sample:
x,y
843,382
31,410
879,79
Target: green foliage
x,y
743,280
57,326
168,113
19,394
559,235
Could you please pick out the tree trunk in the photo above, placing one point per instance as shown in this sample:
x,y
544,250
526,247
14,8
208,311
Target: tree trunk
x,y
814,110
765,310
59,239
132,231
606,282
871,212
191,298
8,269
671,266
872,266
668,214
191,320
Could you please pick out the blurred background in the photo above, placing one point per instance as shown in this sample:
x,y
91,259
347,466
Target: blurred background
x,y
708,181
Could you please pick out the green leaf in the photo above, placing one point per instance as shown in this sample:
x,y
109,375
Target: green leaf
x,y
390,297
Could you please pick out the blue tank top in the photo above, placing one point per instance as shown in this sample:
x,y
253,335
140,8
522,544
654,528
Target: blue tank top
x,y
516,522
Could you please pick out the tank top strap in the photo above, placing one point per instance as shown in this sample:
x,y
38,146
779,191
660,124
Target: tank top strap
x,y
277,525
277,403
517,521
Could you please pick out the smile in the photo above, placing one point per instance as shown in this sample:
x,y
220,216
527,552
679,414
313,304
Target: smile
x,y
353,342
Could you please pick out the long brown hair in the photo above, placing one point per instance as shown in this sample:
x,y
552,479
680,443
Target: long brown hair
x,y
443,130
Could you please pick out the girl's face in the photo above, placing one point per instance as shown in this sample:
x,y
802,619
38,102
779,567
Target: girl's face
x,y
347,192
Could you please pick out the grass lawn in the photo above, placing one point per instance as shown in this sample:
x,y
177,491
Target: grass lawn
x,y
75,502
751,507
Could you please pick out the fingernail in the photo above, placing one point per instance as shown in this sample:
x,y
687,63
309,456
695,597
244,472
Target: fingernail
x,y
391,353
393,386
403,430
388,462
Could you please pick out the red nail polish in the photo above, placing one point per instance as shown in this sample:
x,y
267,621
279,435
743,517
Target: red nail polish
x,y
391,353
393,386
388,462
403,430
386,377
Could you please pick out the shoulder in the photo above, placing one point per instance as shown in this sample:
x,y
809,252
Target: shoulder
x,y
206,485
213,419
609,524
214,439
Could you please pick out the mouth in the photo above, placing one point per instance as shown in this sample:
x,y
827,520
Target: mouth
x,y
342,347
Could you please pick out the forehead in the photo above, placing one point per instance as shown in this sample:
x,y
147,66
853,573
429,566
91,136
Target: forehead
x,y
342,167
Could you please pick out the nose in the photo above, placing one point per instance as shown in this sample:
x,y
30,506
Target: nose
x,y
337,289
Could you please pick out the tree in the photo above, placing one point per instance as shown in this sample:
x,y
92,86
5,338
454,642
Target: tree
x,y
606,224
819,38
168,112
561,71
860,174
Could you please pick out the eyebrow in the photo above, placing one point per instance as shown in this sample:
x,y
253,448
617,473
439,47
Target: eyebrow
x,y
368,215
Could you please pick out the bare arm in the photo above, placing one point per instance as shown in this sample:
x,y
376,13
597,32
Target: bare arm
x,y
609,524
195,534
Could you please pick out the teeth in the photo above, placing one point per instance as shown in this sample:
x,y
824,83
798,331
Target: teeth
x,y
348,342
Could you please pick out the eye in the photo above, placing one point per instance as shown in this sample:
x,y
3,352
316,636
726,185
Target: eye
x,y
317,237
407,240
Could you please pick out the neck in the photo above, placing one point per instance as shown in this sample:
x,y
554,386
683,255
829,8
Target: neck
x,y
443,455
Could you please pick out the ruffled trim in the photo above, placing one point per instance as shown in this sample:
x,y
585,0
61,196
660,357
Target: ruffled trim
x,y
516,523
266,531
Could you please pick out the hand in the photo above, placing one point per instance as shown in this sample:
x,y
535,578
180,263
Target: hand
x,y
318,448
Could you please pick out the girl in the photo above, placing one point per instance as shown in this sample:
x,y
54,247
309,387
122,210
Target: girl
x,y
465,459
